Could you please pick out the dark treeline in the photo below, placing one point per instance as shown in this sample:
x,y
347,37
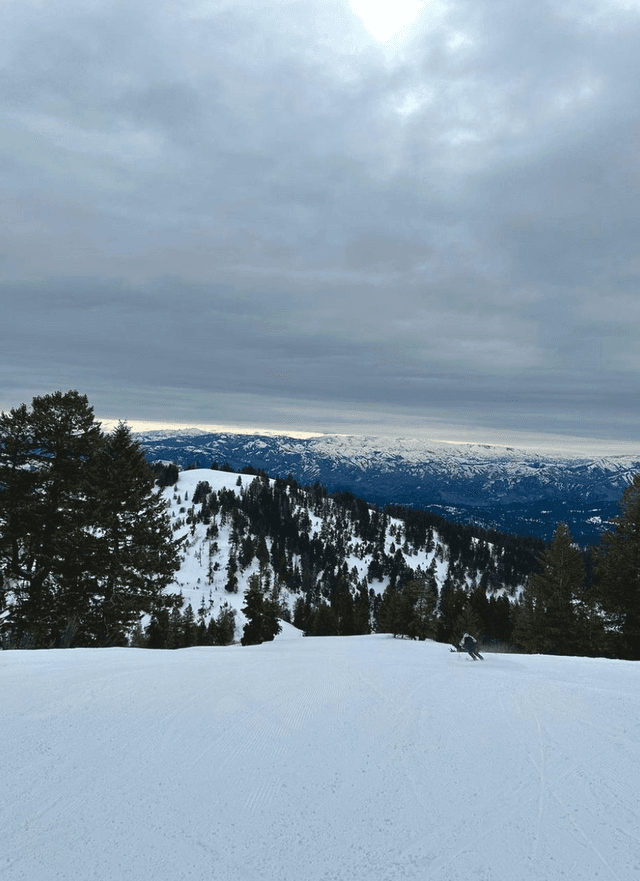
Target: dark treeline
x,y
175,628
587,602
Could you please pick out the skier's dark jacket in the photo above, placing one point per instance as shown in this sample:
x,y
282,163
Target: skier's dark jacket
x,y
468,643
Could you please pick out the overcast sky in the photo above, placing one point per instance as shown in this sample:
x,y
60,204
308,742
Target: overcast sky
x,y
256,213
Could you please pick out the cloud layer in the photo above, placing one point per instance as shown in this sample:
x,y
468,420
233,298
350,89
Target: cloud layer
x,y
255,213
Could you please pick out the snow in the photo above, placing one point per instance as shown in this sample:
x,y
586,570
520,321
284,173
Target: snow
x,y
192,580
353,759
203,588
532,450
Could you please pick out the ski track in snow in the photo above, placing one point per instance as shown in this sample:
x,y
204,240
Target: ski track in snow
x,y
350,759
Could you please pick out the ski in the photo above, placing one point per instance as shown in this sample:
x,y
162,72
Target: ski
x,y
475,656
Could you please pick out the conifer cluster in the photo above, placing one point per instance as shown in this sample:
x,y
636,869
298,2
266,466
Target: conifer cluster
x,y
86,546
587,602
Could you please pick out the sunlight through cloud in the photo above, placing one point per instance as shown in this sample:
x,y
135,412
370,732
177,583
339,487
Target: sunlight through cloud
x,y
384,19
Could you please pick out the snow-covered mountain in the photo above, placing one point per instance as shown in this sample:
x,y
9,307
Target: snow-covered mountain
x,y
354,759
321,541
505,488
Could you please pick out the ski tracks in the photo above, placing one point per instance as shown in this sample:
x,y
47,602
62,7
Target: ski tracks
x,y
575,791
293,719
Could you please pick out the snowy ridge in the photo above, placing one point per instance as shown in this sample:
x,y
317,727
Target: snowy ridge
x,y
499,487
202,576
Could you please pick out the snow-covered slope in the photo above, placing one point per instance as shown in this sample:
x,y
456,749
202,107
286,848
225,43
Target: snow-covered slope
x,y
203,576
196,579
515,490
352,759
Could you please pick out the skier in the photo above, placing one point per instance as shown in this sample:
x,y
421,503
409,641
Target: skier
x,y
469,644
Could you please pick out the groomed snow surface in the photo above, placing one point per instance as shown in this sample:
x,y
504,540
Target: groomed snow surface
x,y
303,759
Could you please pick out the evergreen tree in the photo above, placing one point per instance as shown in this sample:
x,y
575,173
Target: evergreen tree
x,y
423,600
547,621
137,638
409,611
343,606
135,556
46,503
453,600
157,631
361,612
272,612
394,613
301,613
188,627
262,614
85,544
322,621
468,621
175,634
225,625
232,579
617,576
166,475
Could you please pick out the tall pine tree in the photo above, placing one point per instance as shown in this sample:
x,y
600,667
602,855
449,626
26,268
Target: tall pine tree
x,y
262,612
136,555
618,576
85,543
550,617
45,503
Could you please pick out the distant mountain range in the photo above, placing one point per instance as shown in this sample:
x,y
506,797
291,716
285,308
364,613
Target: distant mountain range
x,y
498,487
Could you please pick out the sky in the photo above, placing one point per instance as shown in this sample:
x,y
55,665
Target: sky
x,y
419,219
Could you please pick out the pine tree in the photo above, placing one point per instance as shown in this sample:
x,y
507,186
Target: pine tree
x,y
301,613
254,610
135,556
157,633
423,600
175,633
547,621
409,611
468,621
617,576
136,637
46,504
272,612
322,621
262,610
453,600
232,579
388,613
189,628
343,606
361,612
225,625
85,543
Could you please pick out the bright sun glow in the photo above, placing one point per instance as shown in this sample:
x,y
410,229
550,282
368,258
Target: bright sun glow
x,y
386,18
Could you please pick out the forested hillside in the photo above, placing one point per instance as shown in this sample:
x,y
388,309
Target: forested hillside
x,y
97,547
332,564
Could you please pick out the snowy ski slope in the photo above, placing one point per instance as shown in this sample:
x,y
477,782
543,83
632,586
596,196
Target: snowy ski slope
x,y
351,759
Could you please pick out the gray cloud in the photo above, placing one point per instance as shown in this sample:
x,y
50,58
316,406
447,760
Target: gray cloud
x,y
255,213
